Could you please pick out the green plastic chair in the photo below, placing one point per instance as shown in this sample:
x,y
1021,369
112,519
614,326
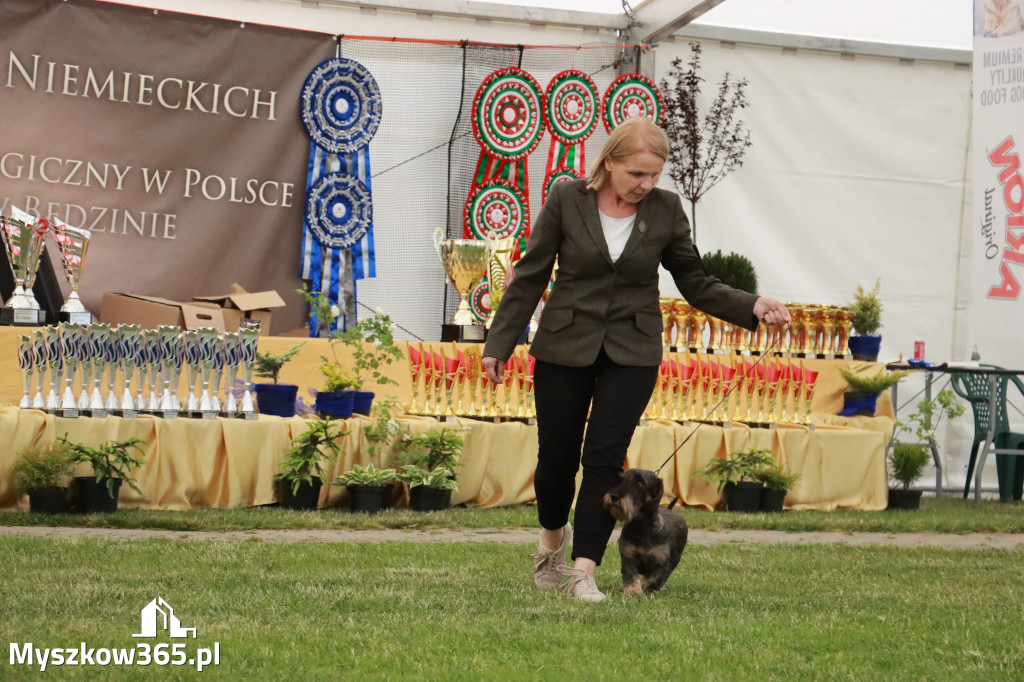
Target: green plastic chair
x,y
974,389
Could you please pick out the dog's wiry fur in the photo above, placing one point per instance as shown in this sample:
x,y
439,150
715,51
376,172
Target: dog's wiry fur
x,y
652,538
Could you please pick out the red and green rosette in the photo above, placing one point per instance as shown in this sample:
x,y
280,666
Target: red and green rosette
x,y
573,109
629,96
560,174
508,123
507,114
480,302
496,209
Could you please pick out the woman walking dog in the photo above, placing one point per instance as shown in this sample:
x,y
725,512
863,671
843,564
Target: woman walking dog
x,y
598,346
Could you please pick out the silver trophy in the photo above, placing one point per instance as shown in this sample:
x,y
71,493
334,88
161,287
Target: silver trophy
x,y
179,360
248,341
112,354
208,338
231,367
72,243
169,357
53,351
41,362
192,357
84,355
220,360
22,237
99,336
142,363
27,362
70,338
130,338
154,358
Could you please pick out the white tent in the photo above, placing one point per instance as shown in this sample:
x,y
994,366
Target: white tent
x,y
860,124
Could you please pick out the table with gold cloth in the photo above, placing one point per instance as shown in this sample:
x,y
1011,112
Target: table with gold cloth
x,y
231,463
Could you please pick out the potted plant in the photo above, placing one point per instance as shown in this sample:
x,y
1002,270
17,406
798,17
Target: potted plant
x,y
866,319
367,487
908,459
735,477
339,395
371,344
777,483
384,433
301,471
111,463
862,397
42,474
428,463
277,399
429,490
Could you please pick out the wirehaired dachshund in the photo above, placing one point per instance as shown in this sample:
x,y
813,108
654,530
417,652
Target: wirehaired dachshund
x,y
652,539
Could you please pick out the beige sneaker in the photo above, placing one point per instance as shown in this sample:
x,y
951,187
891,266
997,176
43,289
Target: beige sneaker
x,y
580,585
546,562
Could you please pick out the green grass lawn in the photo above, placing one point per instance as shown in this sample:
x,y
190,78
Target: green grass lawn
x,y
436,611
943,515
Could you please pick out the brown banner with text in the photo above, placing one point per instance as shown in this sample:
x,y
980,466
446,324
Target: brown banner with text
x,y
175,139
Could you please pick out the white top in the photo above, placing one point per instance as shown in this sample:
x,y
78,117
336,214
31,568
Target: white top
x,y
616,232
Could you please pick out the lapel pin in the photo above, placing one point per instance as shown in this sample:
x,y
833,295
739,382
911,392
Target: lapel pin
x,y
643,226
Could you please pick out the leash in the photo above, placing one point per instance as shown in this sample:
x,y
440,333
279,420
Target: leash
x,y
725,397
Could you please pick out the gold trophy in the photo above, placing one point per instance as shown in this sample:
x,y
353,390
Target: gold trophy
x,y
72,243
499,260
465,263
23,241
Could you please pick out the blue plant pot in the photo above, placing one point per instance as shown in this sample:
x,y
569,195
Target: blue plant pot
x,y
865,347
276,399
859,404
335,403
363,402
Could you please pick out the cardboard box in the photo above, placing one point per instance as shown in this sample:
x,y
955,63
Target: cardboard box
x,y
239,304
151,312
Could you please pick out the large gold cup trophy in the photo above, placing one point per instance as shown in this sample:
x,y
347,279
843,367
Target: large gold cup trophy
x,y
465,263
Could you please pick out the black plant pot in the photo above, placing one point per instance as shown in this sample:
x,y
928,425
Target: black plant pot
x,y
88,496
427,499
865,347
743,496
904,499
306,497
772,500
859,404
52,500
368,499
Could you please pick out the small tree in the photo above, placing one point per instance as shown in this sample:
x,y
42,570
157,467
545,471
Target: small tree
x,y
701,154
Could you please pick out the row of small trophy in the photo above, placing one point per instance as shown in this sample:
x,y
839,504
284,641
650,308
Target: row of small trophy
x,y
815,331
768,392
454,383
106,360
24,242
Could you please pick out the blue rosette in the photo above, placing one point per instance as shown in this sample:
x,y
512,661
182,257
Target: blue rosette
x,y
339,210
341,105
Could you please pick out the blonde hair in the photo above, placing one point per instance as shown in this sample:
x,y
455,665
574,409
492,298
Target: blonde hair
x,y
638,134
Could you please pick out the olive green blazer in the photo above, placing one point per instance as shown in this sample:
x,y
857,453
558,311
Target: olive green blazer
x,y
596,303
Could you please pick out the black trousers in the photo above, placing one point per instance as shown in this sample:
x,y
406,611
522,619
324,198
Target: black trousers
x,y
615,395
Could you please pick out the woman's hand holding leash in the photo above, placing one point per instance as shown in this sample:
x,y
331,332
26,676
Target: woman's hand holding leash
x,y
495,369
771,312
